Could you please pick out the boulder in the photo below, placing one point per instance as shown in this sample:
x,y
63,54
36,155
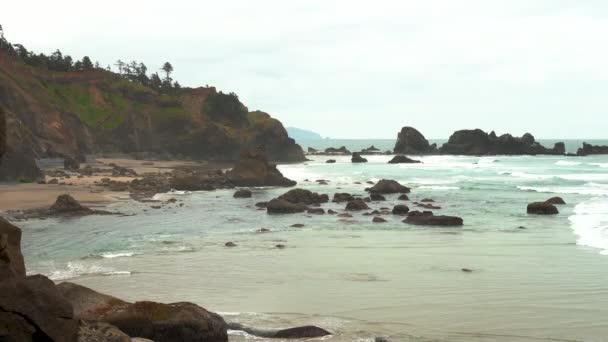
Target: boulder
x,y
70,163
387,186
403,197
330,161
230,244
315,211
66,204
91,331
376,197
401,159
400,209
242,193
11,259
378,220
556,200
253,169
281,206
304,196
342,197
356,158
356,204
542,208
411,141
427,218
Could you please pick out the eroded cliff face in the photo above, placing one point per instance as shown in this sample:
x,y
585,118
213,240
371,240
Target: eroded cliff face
x,y
74,113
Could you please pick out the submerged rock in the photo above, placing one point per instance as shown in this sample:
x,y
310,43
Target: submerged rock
x,y
330,161
242,193
281,206
356,158
378,220
308,331
542,208
401,159
304,196
427,218
316,211
400,209
387,186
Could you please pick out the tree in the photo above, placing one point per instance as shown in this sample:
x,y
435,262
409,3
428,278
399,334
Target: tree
x,y
78,66
1,32
86,63
176,85
155,81
168,69
120,64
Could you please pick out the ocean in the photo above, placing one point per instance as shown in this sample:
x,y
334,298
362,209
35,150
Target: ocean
x,y
534,278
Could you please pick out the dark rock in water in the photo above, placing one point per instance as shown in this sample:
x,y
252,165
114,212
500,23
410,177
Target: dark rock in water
x,y
230,244
386,186
380,339
280,206
400,209
428,206
356,204
331,212
70,163
316,211
403,197
345,215
242,193
330,161
370,182
342,197
356,158
378,220
312,150
253,169
280,246
263,230
261,204
11,259
376,197
302,332
428,200
32,309
66,204
478,142
588,149
466,270
427,218
401,159
342,150
304,196
297,225
90,331
411,141
556,200
542,208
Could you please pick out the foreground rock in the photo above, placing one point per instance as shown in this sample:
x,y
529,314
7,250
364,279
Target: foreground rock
x,y
90,331
401,159
304,196
542,208
356,158
387,186
11,259
478,142
411,141
427,218
281,206
253,169
588,149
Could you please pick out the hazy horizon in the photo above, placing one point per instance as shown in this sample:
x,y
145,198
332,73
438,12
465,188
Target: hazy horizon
x,y
357,70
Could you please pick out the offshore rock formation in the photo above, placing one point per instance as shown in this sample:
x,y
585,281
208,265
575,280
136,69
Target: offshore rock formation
x,y
253,169
478,142
588,149
411,141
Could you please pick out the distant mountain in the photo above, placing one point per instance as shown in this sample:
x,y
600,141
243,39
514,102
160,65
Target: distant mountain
x,y
302,134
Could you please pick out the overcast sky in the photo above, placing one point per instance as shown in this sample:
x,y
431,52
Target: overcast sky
x,y
358,69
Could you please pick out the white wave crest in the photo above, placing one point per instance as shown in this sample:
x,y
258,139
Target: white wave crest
x,y
111,255
604,165
592,189
590,224
566,163
77,269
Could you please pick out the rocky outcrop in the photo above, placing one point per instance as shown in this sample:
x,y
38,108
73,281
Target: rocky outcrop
x,y
308,331
19,165
372,150
588,149
411,141
478,142
340,151
11,259
387,186
401,159
427,218
542,208
253,169
356,158
67,205
303,196
242,193
280,206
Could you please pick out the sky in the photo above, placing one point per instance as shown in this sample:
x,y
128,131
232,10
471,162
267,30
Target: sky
x,y
358,69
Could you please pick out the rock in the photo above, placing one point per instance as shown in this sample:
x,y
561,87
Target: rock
x,y
261,204
330,161
308,331
400,209
376,197
342,197
356,204
253,169
11,259
478,142
70,163
342,150
428,206
263,230
19,166
427,200
230,244
280,206
119,171
297,225
542,208
356,158
556,200
53,181
242,193
90,331
66,204
588,149
370,182
316,211
403,197
312,150
280,246
427,218
31,309
466,270
345,215
304,196
401,159
85,301
331,212
386,186
378,219
411,141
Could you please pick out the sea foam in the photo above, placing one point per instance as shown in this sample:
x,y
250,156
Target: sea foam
x,y
590,224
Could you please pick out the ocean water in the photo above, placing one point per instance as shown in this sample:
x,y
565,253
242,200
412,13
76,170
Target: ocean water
x,y
535,278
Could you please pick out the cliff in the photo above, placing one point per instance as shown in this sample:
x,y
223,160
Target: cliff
x,y
52,113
